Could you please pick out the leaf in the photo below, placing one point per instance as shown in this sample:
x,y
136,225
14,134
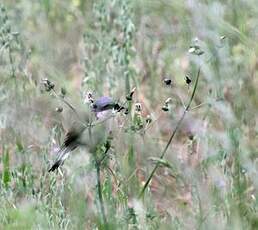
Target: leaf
x,y
6,172
131,157
19,145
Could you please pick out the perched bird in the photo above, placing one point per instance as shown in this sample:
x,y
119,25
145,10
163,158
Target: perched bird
x,y
76,133
104,103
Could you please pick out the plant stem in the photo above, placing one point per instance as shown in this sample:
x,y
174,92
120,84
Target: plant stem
x,y
68,104
101,203
13,73
99,187
173,134
11,61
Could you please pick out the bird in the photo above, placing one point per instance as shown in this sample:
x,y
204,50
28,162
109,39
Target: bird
x,y
75,134
104,103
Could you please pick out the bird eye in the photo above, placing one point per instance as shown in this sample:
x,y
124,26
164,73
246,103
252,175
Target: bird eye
x,y
94,106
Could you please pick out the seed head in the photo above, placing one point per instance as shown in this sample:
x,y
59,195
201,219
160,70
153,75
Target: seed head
x,y
138,107
90,97
196,50
48,84
167,81
126,111
59,109
222,37
148,119
187,80
63,92
165,108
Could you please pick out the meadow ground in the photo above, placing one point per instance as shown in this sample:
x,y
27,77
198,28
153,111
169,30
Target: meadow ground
x,y
199,133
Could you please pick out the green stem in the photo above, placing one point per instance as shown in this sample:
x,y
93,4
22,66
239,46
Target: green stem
x,y
173,134
11,62
101,202
13,74
98,163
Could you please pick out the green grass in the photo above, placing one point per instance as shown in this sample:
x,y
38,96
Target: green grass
x,y
207,178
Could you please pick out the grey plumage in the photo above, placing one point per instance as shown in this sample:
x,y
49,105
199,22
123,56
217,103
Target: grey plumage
x,y
104,103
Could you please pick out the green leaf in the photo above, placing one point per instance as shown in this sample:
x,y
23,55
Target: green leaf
x,y
19,145
6,169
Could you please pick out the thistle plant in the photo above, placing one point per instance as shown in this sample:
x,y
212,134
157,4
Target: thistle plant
x,y
9,41
186,109
6,37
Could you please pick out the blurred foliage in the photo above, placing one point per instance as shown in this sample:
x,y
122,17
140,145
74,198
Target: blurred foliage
x,y
208,179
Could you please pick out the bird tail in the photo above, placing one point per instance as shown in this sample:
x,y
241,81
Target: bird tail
x,y
63,154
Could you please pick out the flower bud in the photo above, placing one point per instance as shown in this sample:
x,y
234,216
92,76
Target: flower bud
x,y
148,119
196,50
138,107
59,109
90,97
126,111
187,80
165,108
167,81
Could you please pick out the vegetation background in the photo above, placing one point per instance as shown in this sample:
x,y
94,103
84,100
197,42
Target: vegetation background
x,y
208,178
